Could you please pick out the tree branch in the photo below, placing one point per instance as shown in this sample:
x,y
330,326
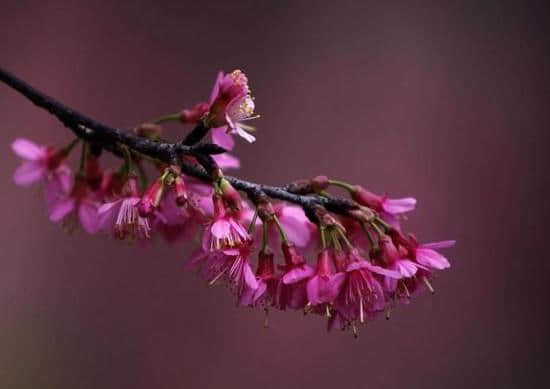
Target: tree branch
x,y
109,138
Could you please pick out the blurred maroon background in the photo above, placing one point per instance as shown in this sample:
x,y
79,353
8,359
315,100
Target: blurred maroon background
x,y
446,101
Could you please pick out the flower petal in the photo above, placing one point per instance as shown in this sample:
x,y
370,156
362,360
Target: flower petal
x,y
432,259
61,208
89,219
27,149
396,206
439,245
29,172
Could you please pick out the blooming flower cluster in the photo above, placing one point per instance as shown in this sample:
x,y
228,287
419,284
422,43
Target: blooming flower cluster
x,y
365,263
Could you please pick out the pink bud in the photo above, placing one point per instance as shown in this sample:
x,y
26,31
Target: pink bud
x,y
151,199
366,198
181,192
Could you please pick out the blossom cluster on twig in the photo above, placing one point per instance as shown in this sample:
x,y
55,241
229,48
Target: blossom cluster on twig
x,y
253,238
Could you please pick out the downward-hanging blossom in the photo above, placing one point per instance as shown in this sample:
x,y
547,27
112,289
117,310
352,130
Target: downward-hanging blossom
x,y
389,209
121,217
81,200
366,263
291,289
224,231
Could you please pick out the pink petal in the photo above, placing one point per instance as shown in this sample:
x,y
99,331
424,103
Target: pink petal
x,y
29,172
296,225
220,228
438,245
61,208
222,138
239,229
431,258
216,88
26,149
107,214
373,268
227,161
89,219
262,286
391,219
64,177
298,274
406,268
313,290
249,277
397,206
244,134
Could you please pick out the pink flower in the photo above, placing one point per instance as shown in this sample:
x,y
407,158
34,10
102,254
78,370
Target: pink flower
x,y
224,231
231,104
298,228
361,295
121,217
427,256
324,286
81,200
396,261
389,209
267,280
195,114
291,289
225,140
232,265
40,162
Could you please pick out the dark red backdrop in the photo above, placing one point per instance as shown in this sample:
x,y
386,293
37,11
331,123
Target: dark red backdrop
x,y
445,102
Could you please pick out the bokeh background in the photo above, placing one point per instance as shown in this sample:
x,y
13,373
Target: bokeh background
x,y
446,101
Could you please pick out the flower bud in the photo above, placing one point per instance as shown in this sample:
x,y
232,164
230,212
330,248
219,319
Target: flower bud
x,y
366,198
151,199
181,192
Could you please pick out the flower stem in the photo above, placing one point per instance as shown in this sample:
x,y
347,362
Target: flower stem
x,y
341,184
171,117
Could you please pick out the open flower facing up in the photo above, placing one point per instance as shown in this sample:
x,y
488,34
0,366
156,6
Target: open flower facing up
x,y
121,217
231,104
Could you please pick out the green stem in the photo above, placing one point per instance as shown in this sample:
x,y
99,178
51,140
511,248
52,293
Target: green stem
x,y
172,117
322,232
253,222
284,238
342,184
264,234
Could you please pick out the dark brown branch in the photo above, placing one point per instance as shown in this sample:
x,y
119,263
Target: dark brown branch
x,y
109,138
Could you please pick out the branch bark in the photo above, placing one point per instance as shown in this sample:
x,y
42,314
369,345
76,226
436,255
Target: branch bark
x,y
110,138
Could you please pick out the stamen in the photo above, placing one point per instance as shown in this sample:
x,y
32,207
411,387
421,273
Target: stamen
x,y
428,285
